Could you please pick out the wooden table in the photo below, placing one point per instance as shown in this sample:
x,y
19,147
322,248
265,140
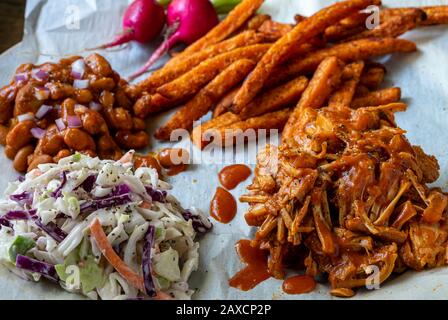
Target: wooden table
x,y
11,22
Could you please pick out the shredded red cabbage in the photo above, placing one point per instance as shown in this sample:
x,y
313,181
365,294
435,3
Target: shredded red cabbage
x,y
146,262
22,198
5,222
88,184
58,192
52,230
93,205
156,195
198,223
45,269
120,190
20,214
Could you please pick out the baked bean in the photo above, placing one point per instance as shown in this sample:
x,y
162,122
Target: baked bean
x,y
119,118
99,65
60,90
132,91
129,140
68,108
78,140
83,96
20,135
93,122
10,152
21,159
26,101
41,159
67,62
122,99
107,99
107,148
64,153
6,110
52,142
102,84
139,124
3,133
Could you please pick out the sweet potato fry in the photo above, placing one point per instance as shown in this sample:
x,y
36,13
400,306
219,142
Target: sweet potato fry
x,y
277,98
304,31
348,52
434,15
350,76
151,103
378,98
225,103
273,30
325,79
394,26
361,90
235,19
256,21
204,100
173,70
299,18
268,121
191,82
346,27
201,134
373,76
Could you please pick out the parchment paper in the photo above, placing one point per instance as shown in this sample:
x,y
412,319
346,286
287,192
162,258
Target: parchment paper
x,y
421,75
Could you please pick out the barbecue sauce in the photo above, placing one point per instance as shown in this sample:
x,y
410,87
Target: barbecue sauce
x,y
174,160
256,270
231,176
223,206
298,285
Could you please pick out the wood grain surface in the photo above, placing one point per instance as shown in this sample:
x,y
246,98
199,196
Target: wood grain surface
x,y
11,22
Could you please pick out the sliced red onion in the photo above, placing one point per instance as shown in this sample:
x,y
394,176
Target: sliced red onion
x,y
40,75
43,111
60,124
78,69
20,77
81,84
38,133
25,117
42,93
74,122
95,106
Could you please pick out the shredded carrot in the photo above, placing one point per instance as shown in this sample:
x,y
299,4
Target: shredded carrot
x,y
122,268
145,205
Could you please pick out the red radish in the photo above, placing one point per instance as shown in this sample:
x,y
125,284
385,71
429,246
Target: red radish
x,y
188,21
143,21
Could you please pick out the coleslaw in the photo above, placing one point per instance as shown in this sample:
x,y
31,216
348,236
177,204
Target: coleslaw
x,y
101,228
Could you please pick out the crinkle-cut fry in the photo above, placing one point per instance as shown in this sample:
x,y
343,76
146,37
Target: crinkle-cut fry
x,y
301,33
173,70
204,100
394,26
201,135
191,82
373,76
234,20
344,95
249,128
275,99
225,103
346,27
274,30
325,79
348,52
434,14
377,98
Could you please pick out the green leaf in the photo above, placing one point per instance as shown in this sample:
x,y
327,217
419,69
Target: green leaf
x,y
21,245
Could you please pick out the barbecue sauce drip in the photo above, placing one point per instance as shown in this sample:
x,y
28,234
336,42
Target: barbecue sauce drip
x,y
298,285
231,176
256,270
148,162
174,160
223,206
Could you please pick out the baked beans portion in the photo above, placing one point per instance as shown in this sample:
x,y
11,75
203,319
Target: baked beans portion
x,y
80,105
